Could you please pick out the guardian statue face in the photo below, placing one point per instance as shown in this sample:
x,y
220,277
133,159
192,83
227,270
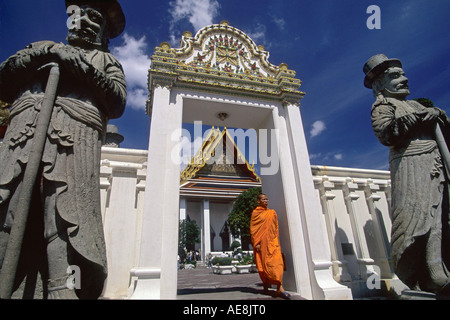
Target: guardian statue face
x,y
394,84
88,29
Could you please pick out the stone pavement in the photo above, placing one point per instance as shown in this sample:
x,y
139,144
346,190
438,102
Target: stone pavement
x,y
202,284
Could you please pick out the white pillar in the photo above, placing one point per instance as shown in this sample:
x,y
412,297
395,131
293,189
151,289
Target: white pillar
x,y
309,263
279,184
156,274
382,228
182,208
383,260
120,231
327,197
206,247
366,262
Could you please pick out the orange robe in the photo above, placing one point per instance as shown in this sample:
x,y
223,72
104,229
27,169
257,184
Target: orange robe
x,y
264,231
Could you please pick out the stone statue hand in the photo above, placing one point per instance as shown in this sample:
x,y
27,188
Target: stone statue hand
x,y
31,57
408,120
72,61
41,48
429,114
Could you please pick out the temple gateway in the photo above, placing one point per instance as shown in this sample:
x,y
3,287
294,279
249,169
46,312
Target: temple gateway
x,y
208,189
334,222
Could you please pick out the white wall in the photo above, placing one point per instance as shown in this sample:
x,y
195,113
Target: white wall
x,y
122,185
355,209
354,204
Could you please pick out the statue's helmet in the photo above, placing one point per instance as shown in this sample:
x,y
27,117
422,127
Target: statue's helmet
x,y
376,65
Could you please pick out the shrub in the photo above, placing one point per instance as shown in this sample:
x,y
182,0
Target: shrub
x,y
235,245
246,259
221,261
193,262
239,219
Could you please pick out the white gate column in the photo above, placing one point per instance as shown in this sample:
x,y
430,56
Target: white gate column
x,y
156,275
183,214
206,248
307,206
278,182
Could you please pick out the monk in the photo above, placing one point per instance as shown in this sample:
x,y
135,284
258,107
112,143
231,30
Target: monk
x,y
266,247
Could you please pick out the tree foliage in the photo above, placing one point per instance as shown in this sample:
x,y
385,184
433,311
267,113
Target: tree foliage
x,y
425,102
239,218
188,236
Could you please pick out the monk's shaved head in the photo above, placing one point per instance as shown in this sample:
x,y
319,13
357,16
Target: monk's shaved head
x,y
261,195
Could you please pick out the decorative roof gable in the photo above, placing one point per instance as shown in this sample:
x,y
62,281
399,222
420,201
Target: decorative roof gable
x,y
223,59
219,156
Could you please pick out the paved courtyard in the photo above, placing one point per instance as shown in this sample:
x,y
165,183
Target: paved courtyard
x,y
202,284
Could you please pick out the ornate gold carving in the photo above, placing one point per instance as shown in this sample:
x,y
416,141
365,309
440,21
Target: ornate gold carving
x,y
221,58
202,159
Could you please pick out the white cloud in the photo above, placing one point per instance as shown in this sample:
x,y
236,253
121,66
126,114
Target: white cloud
x,y
258,35
199,13
280,22
405,11
133,59
135,63
324,158
317,128
313,156
137,98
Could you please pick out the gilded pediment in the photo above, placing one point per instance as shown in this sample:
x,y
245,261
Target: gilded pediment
x,y
219,156
221,58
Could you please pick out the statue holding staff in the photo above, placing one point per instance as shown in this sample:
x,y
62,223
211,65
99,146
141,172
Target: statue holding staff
x,y
420,244
57,123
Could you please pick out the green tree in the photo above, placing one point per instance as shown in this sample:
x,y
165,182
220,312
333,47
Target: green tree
x,y
192,234
188,236
425,102
239,218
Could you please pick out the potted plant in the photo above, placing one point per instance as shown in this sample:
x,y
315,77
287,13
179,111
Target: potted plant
x,y
245,264
222,265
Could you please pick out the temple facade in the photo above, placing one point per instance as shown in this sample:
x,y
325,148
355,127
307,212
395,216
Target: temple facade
x,y
354,211
334,222
209,185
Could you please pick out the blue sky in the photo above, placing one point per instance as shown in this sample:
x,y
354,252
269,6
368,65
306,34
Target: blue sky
x,y
325,41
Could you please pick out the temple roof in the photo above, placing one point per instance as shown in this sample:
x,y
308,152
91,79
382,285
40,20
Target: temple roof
x,y
222,59
218,168
219,156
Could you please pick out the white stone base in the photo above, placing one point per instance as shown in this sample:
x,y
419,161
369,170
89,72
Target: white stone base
x,y
222,269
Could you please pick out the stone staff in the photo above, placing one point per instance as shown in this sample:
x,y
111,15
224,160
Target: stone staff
x,y
442,144
13,249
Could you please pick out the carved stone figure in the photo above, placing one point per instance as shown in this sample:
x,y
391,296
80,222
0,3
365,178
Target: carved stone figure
x,y
63,242
420,187
4,116
113,138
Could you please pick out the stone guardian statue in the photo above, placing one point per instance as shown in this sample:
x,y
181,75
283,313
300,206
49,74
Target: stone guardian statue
x,y
420,244
52,243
